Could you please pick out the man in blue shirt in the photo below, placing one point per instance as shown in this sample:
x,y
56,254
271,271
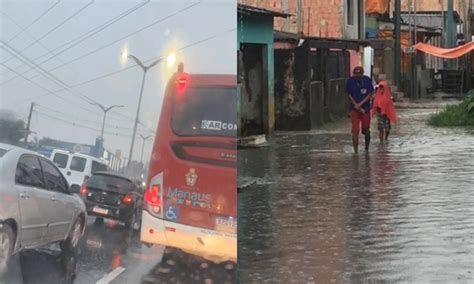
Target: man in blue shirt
x,y
360,90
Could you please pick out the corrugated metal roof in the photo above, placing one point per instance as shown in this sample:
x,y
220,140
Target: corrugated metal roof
x,y
246,9
428,19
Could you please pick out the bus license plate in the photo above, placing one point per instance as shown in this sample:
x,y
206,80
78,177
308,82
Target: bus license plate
x,y
100,210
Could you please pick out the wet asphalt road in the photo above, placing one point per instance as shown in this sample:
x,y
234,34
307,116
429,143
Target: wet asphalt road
x,y
109,250
317,213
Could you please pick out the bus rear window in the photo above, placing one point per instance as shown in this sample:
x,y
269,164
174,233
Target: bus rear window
x,y
206,111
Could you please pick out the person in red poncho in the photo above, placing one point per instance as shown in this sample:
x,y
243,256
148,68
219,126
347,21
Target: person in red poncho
x,y
384,109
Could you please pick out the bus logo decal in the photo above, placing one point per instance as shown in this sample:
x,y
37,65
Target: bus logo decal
x,y
195,199
217,125
191,177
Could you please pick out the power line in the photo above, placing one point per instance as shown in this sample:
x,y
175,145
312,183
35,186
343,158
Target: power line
x,y
54,79
43,88
35,20
146,61
81,125
130,67
139,30
82,119
86,120
55,28
122,38
78,40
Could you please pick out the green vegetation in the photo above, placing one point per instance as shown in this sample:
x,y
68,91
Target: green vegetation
x,y
11,131
456,115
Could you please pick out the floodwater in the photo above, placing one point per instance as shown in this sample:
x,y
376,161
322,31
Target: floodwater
x,y
317,213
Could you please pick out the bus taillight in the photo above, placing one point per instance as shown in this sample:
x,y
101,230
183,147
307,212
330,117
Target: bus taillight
x,y
153,199
182,83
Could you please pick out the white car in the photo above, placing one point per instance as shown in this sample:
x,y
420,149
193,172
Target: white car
x,y
36,205
76,167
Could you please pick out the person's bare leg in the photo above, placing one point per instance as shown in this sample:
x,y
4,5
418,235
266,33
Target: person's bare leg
x,y
355,142
367,139
387,132
381,135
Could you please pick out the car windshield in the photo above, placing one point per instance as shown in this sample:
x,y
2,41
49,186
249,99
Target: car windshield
x,y
110,183
2,152
206,111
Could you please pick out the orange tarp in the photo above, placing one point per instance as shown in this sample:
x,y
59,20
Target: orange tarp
x,y
450,53
376,6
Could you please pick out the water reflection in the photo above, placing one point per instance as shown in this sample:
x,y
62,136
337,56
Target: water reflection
x,y
399,213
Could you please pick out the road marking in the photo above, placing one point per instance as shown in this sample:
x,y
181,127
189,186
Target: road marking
x,y
111,276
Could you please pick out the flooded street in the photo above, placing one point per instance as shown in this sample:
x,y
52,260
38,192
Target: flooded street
x,y
109,254
317,213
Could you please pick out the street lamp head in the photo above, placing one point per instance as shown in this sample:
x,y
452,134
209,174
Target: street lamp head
x,y
171,59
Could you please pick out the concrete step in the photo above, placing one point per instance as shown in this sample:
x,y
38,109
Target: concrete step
x,y
398,96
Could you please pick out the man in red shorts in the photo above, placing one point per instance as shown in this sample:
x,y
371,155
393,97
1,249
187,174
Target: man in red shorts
x,y
360,90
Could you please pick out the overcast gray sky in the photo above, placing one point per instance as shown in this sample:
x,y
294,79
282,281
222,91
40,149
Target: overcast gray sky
x,y
179,23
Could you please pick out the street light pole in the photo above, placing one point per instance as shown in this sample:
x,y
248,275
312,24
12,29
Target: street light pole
x,y
143,145
145,69
105,110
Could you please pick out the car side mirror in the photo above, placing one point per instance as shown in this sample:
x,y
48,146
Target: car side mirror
x,y
75,188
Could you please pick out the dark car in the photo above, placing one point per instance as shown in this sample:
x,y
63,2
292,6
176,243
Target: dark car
x,y
113,196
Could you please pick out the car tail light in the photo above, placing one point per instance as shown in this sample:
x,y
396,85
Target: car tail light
x,y
84,191
128,199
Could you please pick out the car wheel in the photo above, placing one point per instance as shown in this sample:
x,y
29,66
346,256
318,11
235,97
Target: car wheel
x,y
72,241
7,242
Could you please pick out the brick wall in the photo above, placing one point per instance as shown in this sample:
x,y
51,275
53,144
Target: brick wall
x,y
321,18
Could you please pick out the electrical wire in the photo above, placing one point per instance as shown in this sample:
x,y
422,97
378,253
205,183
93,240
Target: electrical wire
x,y
53,29
125,69
78,40
81,125
123,38
35,20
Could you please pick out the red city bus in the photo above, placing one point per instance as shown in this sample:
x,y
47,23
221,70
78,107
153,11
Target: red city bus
x,y
191,197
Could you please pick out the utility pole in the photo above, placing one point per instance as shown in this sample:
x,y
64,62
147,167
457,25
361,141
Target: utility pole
x,y
299,16
145,70
397,43
105,110
29,122
143,145
415,38
450,29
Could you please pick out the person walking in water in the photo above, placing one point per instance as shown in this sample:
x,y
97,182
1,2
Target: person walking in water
x,y
360,91
384,109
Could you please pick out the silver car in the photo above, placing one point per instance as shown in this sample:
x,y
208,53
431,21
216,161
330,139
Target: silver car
x,y
37,207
